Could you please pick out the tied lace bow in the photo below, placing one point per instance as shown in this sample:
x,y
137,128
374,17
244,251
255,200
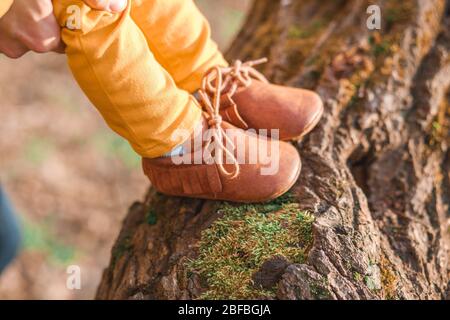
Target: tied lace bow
x,y
217,82
239,74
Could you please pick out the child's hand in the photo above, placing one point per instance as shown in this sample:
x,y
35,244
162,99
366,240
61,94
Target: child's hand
x,y
30,25
107,5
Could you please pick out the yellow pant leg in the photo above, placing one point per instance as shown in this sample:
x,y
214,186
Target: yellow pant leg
x,y
112,63
180,38
4,6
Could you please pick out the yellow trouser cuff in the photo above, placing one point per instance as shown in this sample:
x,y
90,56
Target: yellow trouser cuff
x,y
191,118
194,81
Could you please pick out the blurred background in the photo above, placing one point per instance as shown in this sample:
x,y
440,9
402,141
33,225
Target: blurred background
x,y
69,177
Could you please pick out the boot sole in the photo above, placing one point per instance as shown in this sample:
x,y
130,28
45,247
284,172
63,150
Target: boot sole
x,y
273,197
277,195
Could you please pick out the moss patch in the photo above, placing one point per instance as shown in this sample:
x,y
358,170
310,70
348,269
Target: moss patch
x,y
120,248
306,31
236,245
319,290
357,276
439,131
151,218
388,280
398,14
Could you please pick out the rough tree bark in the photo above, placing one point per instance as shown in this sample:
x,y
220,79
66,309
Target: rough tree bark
x,y
375,170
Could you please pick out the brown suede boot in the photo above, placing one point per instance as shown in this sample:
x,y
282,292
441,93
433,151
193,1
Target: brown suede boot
x,y
249,101
228,164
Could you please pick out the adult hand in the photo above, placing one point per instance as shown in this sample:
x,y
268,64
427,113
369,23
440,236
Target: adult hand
x,y
30,25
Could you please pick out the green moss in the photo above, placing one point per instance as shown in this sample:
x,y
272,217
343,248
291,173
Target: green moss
x,y
357,276
320,291
151,218
122,246
370,283
380,47
306,31
236,245
356,101
398,14
438,133
389,280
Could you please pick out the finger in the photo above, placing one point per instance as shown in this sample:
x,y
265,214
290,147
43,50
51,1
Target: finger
x,y
13,50
107,5
98,4
118,5
54,36
44,38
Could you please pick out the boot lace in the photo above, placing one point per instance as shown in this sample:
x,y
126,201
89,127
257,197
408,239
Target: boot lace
x,y
216,135
219,81
237,75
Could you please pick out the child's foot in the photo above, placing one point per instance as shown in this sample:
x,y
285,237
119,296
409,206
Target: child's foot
x,y
249,101
228,164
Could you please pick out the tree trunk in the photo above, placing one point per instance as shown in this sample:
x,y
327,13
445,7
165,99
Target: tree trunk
x,y
369,216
